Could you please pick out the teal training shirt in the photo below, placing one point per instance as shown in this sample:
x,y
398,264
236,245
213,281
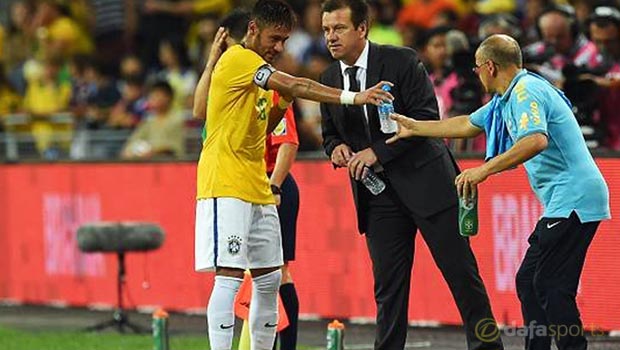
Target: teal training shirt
x,y
564,176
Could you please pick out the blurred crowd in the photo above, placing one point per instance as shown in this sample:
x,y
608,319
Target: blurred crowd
x,y
129,67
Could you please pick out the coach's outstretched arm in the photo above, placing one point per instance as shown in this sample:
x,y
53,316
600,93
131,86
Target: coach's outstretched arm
x,y
456,127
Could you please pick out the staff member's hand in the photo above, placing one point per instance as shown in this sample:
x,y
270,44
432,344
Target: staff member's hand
x,y
467,181
360,160
406,127
341,155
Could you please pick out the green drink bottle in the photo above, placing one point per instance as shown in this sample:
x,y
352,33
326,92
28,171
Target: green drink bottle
x,y
335,335
468,216
160,330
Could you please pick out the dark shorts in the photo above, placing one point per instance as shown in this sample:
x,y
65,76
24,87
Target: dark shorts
x,y
288,211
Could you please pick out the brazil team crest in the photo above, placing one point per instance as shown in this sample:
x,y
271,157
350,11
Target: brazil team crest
x,y
234,244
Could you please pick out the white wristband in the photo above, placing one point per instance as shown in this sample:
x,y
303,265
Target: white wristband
x,y
347,97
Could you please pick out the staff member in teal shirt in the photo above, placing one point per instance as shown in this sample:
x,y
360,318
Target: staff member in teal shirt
x,y
531,122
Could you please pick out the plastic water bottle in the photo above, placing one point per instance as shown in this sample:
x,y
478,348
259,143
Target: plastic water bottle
x,y
335,335
160,330
372,182
388,126
468,216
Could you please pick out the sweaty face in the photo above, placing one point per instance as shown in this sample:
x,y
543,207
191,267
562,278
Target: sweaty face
x,y
344,41
606,39
269,41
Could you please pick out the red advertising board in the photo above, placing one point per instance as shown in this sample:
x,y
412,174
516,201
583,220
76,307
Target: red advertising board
x,y
42,205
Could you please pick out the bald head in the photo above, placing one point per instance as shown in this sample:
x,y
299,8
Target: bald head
x,y
555,29
501,49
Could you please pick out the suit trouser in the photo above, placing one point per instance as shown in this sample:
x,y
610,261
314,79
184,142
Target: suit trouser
x,y
547,283
390,239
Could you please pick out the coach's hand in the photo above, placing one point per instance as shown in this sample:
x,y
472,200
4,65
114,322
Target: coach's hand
x,y
341,155
361,160
375,95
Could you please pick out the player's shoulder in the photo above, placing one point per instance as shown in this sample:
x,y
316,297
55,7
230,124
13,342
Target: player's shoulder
x,y
240,54
532,86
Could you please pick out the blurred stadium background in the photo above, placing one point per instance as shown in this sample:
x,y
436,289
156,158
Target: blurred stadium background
x,y
76,98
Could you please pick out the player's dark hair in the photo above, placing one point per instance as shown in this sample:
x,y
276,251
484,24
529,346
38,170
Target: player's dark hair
x,y
236,23
273,13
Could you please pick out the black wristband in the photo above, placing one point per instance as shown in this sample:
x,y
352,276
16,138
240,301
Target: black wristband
x,y
275,189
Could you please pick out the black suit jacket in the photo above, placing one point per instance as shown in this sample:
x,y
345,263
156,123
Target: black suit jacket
x,y
420,170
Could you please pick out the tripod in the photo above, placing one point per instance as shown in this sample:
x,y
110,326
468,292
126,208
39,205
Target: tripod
x,y
120,319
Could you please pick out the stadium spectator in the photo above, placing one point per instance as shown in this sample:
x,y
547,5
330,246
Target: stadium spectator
x,y
418,176
532,10
531,122
132,106
161,132
604,29
177,71
437,61
131,66
562,44
10,100
19,43
82,89
58,33
153,27
115,25
105,94
500,24
47,96
382,17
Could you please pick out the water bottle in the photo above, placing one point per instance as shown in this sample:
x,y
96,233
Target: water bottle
x,y
160,330
335,335
388,126
468,216
372,182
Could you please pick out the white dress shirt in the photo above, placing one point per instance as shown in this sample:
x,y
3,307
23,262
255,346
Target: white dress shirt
x,y
362,63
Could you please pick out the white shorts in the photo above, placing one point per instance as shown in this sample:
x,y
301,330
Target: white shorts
x,y
236,234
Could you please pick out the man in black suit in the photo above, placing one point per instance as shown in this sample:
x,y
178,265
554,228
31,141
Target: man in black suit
x,y
419,174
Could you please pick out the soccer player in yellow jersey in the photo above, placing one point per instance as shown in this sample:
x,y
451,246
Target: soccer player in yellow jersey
x,y
237,224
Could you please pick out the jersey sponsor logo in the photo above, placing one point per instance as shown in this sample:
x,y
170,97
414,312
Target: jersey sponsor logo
x,y
262,75
234,244
280,130
261,108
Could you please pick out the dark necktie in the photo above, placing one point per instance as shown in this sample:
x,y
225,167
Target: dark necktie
x,y
354,86
352,73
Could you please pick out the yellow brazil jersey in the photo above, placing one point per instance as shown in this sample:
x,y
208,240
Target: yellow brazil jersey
x,y
232,161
